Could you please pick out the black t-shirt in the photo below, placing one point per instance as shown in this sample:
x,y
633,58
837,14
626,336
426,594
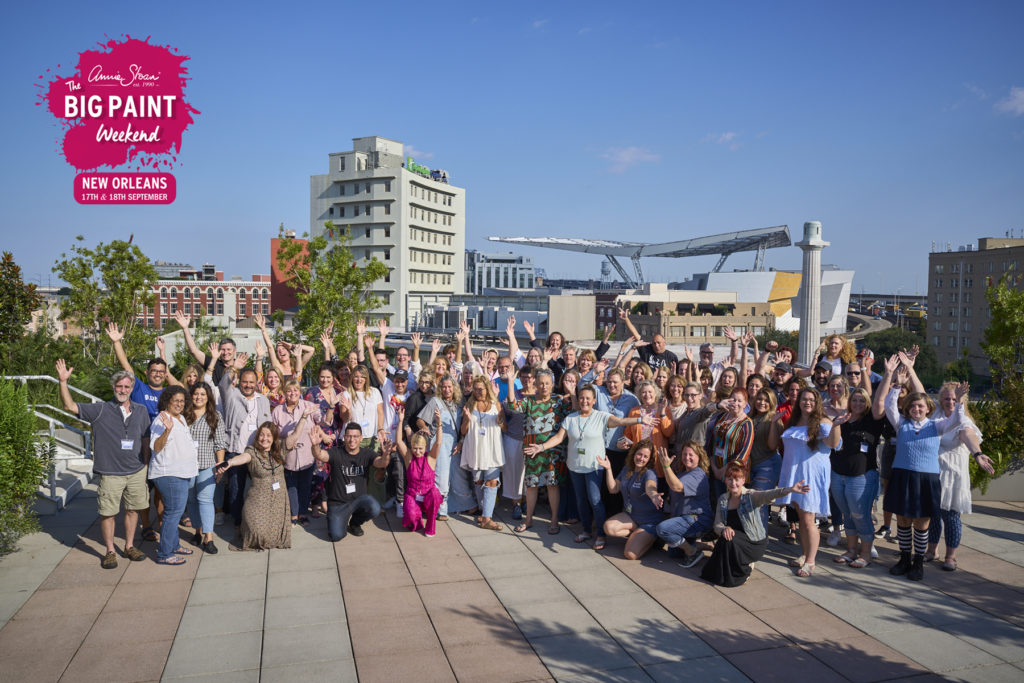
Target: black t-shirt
x,y
219,368
860,438
348,469
657,360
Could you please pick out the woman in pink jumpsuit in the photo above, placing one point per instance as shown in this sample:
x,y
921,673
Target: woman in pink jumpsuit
x,y
422,497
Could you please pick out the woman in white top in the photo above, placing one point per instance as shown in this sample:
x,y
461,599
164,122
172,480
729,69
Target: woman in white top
x,y
365,405
173,468
483,422
955,448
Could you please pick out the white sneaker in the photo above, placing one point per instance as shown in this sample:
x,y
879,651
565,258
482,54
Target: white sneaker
x,y
835,537
874,553
218,519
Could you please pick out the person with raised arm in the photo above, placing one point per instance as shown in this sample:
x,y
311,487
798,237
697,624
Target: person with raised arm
x,y
642,503
483,423
265,515
349,505
914,492
422,498
654,354
226,348
514,470
446,399
287,359
173,467
294,418
690,507
120,452
741,536
244,410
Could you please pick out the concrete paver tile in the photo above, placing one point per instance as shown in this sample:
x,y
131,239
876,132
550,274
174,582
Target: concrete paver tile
x,y
597,583
624,611
872,617
442,570
731,633
468,594
991,597
864,659
40,649
420,666
529,588
24,579
807,623
102,665
763,594
495,544
997,673
576,653
227,589
695,601
460,626
222,617
296,611
85,600
540,619
714,668
783,664
74,574
130,597
371,575
629,674
286,584
936,650
241,676
661,642
205,655
144,625
992,635
148,571
372,637
394,602
288,646
292,560
990,567
232,564
509,660
337,671
502,566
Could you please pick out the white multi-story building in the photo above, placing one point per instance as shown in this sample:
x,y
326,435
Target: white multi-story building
x,y
498,270
406,215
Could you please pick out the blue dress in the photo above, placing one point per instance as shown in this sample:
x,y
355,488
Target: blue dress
x,y
799,462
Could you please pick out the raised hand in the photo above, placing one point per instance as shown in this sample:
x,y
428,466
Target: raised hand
x,y
261,350
161,344
800,487
63,370
730,333
608,332
215,349
771,346
437,416
891,363
637,343
842,419
382,327
622,313
962,389
600,366
902,375
360,328
510,326
914,350
602,460
260,321
663,456
435,346
689,354
417,339
905,359
114,332
528,326
166,420
240,360
464,327
183,320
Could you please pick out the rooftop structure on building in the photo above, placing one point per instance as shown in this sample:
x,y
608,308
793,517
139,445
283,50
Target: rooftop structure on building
x,y
205,292
958,311
406,215
504,271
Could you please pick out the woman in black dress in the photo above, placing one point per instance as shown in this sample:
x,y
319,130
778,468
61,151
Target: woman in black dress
x,y
742,538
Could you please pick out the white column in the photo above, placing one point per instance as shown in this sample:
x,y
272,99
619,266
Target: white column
x,y
810,302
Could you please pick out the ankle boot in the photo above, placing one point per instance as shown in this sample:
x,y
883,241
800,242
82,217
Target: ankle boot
x,y
916,571
901,567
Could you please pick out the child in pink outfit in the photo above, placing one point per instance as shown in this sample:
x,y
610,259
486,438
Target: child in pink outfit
x,y
422,497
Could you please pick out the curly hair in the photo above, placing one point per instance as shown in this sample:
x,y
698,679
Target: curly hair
x,y
631,463
275,446
814,418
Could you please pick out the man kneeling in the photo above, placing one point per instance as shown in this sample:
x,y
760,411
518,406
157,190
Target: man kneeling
x,y
348,504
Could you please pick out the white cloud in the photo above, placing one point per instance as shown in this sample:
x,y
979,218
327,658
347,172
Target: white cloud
x,y
417,154
1014,102
540,23
622,158
976,91
729,139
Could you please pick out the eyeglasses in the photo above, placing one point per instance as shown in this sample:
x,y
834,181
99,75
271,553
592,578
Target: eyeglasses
x,y
853,373
691,395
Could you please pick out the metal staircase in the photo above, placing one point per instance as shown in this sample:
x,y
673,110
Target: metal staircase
x,y
72,467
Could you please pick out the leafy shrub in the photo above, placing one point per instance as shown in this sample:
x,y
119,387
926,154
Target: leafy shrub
x,y
25,459
1002,441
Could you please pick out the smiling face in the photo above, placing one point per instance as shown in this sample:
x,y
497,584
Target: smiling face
x,y
325,379
637,375
808,401
156,374
658,343
586,399
447,388
692,397
761,403
247,382
440,367
737,404
544,386
836,389
918,410
835,347
199,399
947,399
691,459
292,395
227,351
264,439
190,378
569,354
533,356
754,385
176,405
793,393
858,404
352,439
728,379
282,351
504,367
641,457
675,388
614,384
403,358
358,379
123,389
648,396
585,363
734,483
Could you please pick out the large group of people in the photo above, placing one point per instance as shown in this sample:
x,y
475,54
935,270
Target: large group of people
x,y
645,450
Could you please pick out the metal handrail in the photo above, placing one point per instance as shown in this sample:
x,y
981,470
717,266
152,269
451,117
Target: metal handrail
x,y
46,378
65,413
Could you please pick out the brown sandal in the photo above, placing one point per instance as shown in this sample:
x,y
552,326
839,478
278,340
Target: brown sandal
x,y
491,525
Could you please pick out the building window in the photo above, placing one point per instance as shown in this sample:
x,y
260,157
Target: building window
x,y
935,340
355,210
330,212
220,294
387,254
938,326
341,163
220,309
939,268
163,292
163,309
966,327
367,232
241,309
187,293
698,331
952,342
387,229
341,189
387,209
952,327
209,292
367,188
367,207
366,254
174,307
265,308
174,292
938,297
188,308
969,282
967,312
266,293
387,276
387,186
241,294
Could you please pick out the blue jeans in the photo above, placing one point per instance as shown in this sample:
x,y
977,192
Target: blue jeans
x,y
299,483
587,487
953,527
685,528
854,496
175,494
764,476
341,515
486,496
200,501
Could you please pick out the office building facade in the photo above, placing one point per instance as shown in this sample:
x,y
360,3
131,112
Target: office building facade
x,y
407,216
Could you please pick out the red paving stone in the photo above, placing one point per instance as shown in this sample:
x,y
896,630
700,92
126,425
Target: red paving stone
x,y
784,664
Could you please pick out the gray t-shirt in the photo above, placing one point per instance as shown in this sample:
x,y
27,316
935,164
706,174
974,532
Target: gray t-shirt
x,y
116,441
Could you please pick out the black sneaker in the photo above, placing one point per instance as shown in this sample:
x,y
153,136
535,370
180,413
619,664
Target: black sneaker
x,y
916,571
691,560
197,540
882,532
209,548
356,529
901,567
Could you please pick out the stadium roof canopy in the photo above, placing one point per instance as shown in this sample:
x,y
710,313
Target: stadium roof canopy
x,y
758,239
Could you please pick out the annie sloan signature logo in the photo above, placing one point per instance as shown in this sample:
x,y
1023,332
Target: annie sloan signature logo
x,y
135,75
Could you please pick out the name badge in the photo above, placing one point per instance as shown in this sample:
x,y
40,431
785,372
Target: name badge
x,y
581,450
127,444
419,498
629,508
482,431
350,488
275,486
366,428
195,443
863,447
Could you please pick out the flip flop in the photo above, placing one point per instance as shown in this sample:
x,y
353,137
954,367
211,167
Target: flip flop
x,y
859,563
581,538
798,562
172,560
805,570
844,558
148,534
599,543
183,551
520,528
553,530
949,565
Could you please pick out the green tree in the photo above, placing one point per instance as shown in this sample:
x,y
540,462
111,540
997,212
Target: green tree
x,y
887,342
329,284
24,460
108,283
17,301
790,339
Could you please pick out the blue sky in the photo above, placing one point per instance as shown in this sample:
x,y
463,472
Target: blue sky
x,y
895,124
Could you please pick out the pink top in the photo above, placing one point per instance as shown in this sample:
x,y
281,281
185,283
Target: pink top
x,y
287,420
419,477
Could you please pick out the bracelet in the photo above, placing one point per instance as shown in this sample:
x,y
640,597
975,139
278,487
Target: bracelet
x,y
975,455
